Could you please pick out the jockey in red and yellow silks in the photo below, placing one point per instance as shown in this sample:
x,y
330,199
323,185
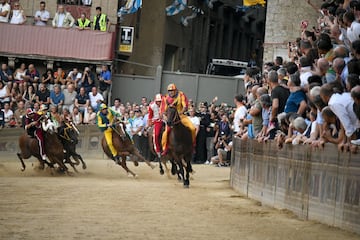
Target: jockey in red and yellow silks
x,y
178,99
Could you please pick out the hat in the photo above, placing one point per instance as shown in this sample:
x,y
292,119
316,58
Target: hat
x,y
158,97
29,111
171,87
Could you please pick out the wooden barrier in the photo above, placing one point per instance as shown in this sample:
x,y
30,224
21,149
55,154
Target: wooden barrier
x,y
322,185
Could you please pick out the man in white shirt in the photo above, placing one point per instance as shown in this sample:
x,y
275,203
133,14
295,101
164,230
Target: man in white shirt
x,y
95,99
41,16
240,113
4,11
62,18
353,27
195,120
305,71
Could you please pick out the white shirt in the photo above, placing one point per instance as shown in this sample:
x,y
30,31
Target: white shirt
x,y
8,115
195,121
3,92
78,75
353,31
60,20
43,15
305,73
17,17
94,99
3,8
240,113
342,106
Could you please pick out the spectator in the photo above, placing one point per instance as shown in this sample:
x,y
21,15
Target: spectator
x,y
256,111
210,135
55,116
137,127
17,14
57,97
29,96
62,18
19,77
333,130
117,106
105,82
43,95
82,100
264,135
48,79
8,114
4,11
240,113
95,99
87,80
83,23
41,16
279,96
305,71
4,93
69,97
74,77
6,75
76,116
59,77
297,98
89,116
353,27
101,21
223,148
194,119
204,118
144,101
355,94
20,113
32,76
2,118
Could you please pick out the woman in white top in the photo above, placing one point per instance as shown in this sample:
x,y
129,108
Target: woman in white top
x,y
76,116
17,14
4,93
89,116
19,77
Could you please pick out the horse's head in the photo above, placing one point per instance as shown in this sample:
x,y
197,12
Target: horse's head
x,y
172,116
71,133
119,129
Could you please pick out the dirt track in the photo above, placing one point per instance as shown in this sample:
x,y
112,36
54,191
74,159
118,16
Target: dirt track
x,y
103,203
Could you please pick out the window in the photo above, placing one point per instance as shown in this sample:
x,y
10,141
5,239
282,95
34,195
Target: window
x,y
75,2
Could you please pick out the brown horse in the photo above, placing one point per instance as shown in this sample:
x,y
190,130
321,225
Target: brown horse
x,y
124,146
53,149
180,144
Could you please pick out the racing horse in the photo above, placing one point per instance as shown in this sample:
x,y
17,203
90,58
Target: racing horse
x,y
68,135
124,146
53,149
180,144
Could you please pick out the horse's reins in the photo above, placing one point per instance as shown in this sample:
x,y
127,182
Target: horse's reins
x,y
176,120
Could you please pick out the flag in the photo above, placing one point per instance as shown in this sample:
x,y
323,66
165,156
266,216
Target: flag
x,y
250,3
195,12
176,7
130,7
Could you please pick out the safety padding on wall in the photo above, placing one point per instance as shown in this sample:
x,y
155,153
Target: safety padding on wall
x,y
322,185
89,141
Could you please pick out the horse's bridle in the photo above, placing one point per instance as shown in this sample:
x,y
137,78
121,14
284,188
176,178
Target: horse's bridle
x,y
122,135
176,120
68,127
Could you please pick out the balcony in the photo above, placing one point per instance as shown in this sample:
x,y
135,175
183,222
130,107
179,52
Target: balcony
x,y
56,44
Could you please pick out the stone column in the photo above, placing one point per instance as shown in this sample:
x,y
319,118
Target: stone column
x,y
283,20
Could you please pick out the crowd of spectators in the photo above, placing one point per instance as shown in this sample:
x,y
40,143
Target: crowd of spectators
x,y
61,19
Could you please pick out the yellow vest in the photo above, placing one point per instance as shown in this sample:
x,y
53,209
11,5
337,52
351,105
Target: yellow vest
x,y
102,22
85,24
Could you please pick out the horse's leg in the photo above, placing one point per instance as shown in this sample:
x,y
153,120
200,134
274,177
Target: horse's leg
x,y
123,164
137,153
180,171
82,161
22,162
160,166
188,169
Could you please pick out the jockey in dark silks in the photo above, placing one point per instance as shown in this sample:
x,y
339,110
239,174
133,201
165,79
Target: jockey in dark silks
x,y
33,127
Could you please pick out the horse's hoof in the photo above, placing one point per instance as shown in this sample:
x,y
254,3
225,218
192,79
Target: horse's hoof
x,y
84,167
22,169
161,172
186,186
136,163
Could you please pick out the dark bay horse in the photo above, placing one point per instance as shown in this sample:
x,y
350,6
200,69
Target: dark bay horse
x,y
68,135
53,149
180,144
124,146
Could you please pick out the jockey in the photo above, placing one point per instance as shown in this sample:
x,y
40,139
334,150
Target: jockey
x,y
105,119
33,126
156,119
175,98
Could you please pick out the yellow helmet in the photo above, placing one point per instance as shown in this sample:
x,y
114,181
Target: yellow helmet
x,y
171,87
103,106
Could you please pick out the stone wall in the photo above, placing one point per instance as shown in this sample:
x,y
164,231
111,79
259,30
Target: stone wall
x,y
283,20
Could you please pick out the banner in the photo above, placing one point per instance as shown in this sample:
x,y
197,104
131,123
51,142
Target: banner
x,y
176,7
126,39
